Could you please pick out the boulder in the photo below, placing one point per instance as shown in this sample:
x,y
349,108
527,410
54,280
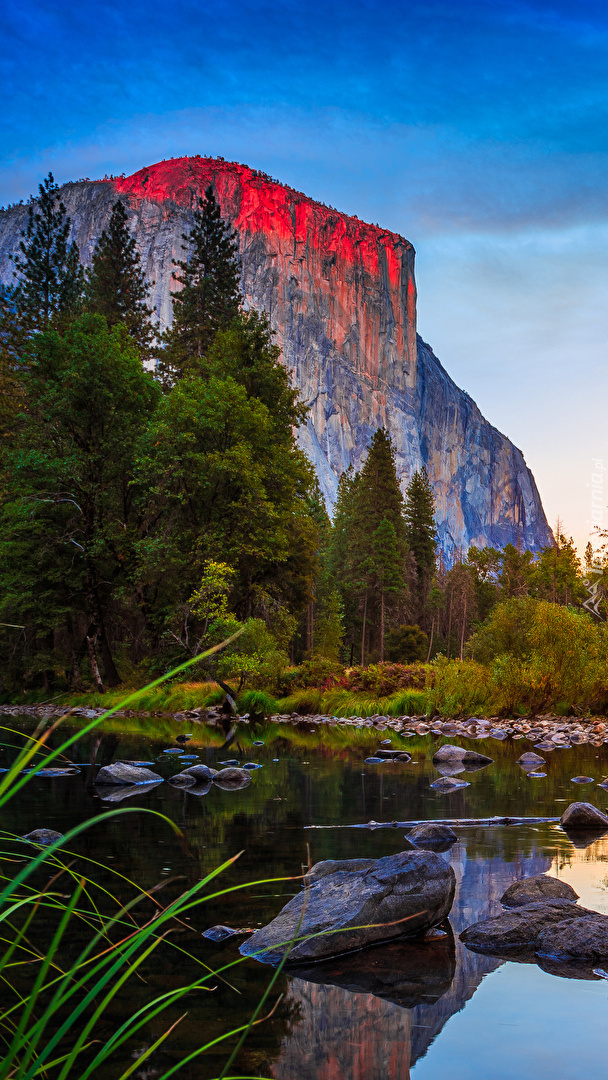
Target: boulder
x,y
44,837
534,889
196,774
583,815
581,780
332,866
398,896
447,784
232,778
583,939
529,760
473,760
393,755
449,753
121,773
432,836
520,926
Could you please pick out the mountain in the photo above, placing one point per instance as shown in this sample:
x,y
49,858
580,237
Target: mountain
x,y
341,296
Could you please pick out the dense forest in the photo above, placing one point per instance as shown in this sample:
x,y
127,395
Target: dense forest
x,y
153,497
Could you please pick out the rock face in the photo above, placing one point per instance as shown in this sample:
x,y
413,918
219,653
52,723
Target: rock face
x,y
349,909
541,887
341,297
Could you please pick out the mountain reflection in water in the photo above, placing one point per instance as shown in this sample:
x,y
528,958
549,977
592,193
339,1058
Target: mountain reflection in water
x,y
375,1013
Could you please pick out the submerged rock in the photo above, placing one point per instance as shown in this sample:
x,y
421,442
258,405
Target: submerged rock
x,y
583,939
408,973
581,780
222,933
43,837
121,773
530,760
118,792
432,836
533,889
447,784
583,815
520,926
398,896
232,778
195,774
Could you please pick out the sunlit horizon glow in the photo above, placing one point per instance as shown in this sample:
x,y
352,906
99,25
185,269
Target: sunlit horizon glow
x,y
478,131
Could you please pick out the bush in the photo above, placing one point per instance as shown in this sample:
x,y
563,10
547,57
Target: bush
x,y
406,644
385,678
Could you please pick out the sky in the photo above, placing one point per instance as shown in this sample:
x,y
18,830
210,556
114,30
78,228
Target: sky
x,y
477,130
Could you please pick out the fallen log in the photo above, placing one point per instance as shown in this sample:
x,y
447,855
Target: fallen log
x,y
455,823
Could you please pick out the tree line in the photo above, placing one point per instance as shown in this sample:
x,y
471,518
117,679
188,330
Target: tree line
x,y
153,496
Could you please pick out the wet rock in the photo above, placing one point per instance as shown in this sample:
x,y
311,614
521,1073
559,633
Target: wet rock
x,y
432,836
183,738
251,765
499,733
407,973
195,774
231,763
536,775
232,778
530,760
374,761
583,815
121,773
520,926
447,784
332,866
400,895
534,889
449,754
583,939
137,764
393,755
581,780
473,760
43,837
222,933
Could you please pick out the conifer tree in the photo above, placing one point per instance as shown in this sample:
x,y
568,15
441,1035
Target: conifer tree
x,y
210,296
421,536
116,286
48,271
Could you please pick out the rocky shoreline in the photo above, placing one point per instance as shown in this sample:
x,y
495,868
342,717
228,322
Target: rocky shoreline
x,y
547,730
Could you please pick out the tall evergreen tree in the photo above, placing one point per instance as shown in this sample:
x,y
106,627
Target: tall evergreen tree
x,y
116,285
421,536
48,271
210,296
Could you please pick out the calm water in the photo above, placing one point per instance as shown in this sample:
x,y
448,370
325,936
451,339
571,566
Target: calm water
x,y
391,1012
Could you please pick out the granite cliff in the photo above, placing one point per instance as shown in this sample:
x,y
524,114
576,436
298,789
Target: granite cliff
x,y
341,296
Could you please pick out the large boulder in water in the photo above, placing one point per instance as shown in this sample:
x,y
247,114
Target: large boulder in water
x,y
196,774
583,815
521,926
121,773
398,896
432,836
534,889
583,939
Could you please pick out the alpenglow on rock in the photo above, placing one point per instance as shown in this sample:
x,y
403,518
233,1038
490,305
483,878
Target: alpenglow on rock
x,y
341,297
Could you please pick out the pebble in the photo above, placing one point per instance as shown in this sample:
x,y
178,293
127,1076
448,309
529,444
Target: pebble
x,y
375,761
535,775
252,765
257,742
231,761
581,780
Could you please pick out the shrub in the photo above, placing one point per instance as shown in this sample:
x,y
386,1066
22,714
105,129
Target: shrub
x,y
406,644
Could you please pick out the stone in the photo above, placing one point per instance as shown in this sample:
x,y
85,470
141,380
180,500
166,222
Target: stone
x,y
398,896
119,792
393,755
520,926
195,774
345,323
448,753
530,760
332,866
252,765
374,761
533,889
432,835
43,837
230,779
447,784
473,760
583,939
583,815
581,780
120,773
220,933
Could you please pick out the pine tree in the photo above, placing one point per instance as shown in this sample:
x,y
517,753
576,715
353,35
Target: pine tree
x,y
116,285
210,296
48,271
421,536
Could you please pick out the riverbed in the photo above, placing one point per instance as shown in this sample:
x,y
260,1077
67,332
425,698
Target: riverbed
x,y
390,1012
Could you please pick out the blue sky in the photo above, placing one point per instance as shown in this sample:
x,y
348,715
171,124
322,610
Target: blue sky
x,y
478,130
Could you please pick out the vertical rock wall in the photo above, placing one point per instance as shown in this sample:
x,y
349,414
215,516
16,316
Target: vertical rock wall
x,y
341,297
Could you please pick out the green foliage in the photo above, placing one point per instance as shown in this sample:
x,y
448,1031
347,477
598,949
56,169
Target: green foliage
x,y
115,283
48,271
458,688
406,644
210,295
421,536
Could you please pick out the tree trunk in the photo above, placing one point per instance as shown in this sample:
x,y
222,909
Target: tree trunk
x,y
94,665
464,623
450,621
428,655
363,633
382,625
